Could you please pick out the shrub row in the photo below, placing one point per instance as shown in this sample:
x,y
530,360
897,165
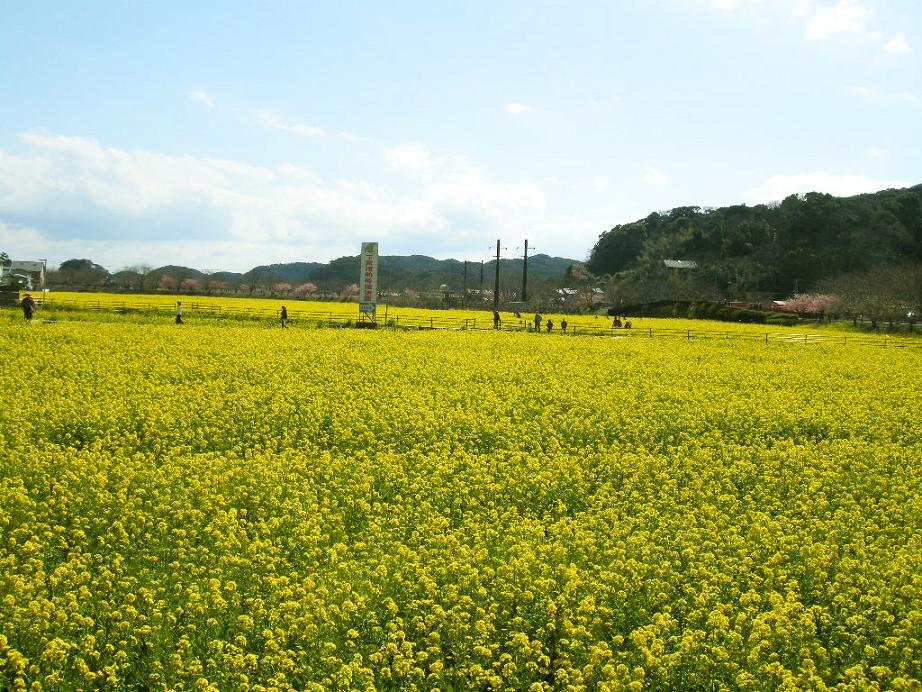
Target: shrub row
x,y
703,310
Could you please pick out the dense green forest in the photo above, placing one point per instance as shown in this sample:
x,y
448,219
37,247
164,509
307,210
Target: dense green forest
x,y
806,243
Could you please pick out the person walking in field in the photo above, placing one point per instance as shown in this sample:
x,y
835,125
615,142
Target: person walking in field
x,y
28,306
496,319
563,325
284,317
179,312
537,323
550,326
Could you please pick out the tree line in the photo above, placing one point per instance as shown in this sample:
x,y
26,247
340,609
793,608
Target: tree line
x,y
414,277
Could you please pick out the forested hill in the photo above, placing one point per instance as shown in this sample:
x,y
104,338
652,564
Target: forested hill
x,y
768,249
426,273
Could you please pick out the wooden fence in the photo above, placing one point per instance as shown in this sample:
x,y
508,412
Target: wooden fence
x,y
330,318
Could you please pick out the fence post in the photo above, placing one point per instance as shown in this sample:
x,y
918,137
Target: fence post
x,y
651,332
766,337
430,323
689,335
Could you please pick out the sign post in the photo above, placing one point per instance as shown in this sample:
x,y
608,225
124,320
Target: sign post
x,y
368,279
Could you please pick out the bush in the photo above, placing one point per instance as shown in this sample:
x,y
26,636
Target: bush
x,y
783,318
752,316
704,311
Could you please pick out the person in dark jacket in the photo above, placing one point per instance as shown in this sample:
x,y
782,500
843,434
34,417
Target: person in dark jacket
x,y
28,306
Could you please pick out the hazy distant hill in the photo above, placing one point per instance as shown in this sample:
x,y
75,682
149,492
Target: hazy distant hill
x,y
291,272
175,271
396,272
426,273
229,277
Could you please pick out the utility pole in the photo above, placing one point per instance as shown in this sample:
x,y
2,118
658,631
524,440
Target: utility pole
x,y
464,292
481,280
388,303
525,275
496,282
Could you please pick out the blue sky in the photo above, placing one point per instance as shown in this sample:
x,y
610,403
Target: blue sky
x,y
227,134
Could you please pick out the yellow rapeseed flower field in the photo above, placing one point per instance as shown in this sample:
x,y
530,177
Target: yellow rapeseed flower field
x,y
310,313
221,506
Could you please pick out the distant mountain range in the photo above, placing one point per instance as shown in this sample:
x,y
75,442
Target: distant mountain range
x,y
290,272
396,272
425,273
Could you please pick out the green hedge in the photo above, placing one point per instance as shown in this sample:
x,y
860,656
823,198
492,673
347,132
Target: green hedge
x,y
705,311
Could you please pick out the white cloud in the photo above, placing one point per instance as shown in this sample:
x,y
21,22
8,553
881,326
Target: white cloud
x,y
796,8
872,95
653,176
202,97
408,157
822,19
517,108
780,186
270,119
350,136
726,4
21,242
845,17
25,242
461,190
598,182
876,152
898,45
72,196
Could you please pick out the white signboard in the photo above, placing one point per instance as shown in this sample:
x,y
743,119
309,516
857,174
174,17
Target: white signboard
x,y
368,278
